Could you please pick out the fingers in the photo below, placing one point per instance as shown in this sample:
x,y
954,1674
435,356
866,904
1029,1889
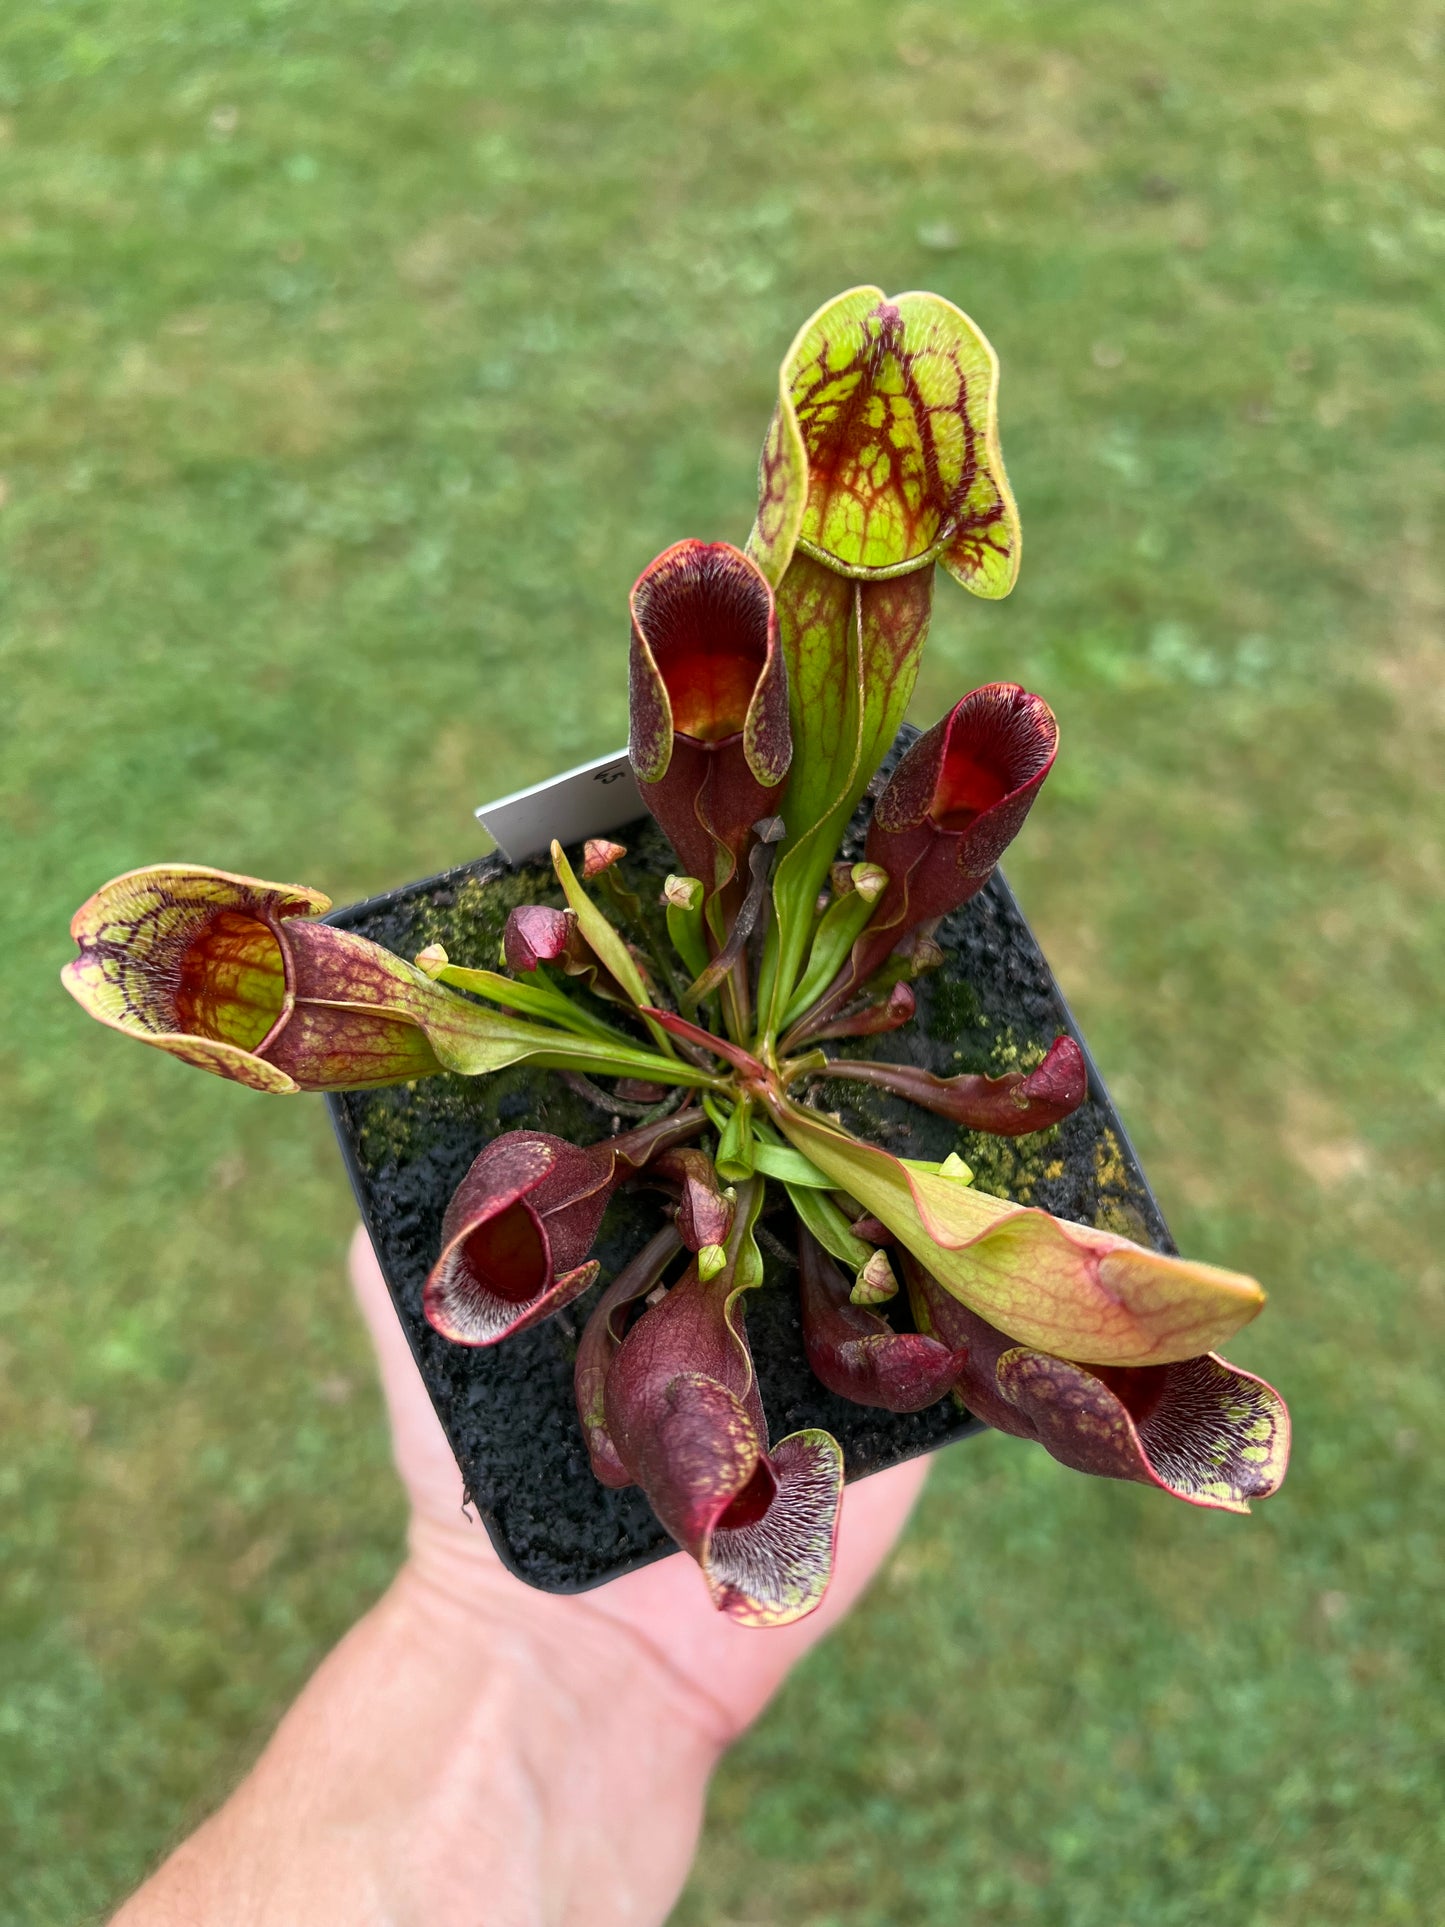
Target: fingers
x,y
875,1511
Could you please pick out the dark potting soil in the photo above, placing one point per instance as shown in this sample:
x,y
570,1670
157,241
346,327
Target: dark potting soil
x,y
507,1410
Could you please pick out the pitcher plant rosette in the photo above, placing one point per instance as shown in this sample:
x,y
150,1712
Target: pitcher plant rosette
x,y
767,686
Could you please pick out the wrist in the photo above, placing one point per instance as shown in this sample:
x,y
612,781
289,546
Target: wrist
x,y
466,1745
587,1754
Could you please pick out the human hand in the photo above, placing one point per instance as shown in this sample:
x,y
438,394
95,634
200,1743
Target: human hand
x,y
663,1610
475,1750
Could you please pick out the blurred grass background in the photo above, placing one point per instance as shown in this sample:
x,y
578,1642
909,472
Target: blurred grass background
x,y
355,358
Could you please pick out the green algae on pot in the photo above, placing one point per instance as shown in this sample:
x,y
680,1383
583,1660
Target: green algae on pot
x,y
484,1036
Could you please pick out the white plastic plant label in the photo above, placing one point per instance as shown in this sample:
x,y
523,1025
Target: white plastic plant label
x,y
587,801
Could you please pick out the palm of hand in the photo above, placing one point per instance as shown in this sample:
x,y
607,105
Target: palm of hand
x,y
662,1612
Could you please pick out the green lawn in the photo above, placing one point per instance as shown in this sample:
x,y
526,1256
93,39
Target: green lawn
x,y
356,357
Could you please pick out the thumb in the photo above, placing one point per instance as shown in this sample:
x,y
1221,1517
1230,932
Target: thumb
x,y
419,1445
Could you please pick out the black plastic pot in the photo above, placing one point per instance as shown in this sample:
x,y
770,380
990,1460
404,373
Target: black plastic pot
x,y
507,1410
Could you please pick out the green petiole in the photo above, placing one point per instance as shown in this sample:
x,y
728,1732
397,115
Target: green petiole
x,y
539,999
834,936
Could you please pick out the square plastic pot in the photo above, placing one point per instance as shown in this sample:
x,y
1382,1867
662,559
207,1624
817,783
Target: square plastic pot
x,y
507,1410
